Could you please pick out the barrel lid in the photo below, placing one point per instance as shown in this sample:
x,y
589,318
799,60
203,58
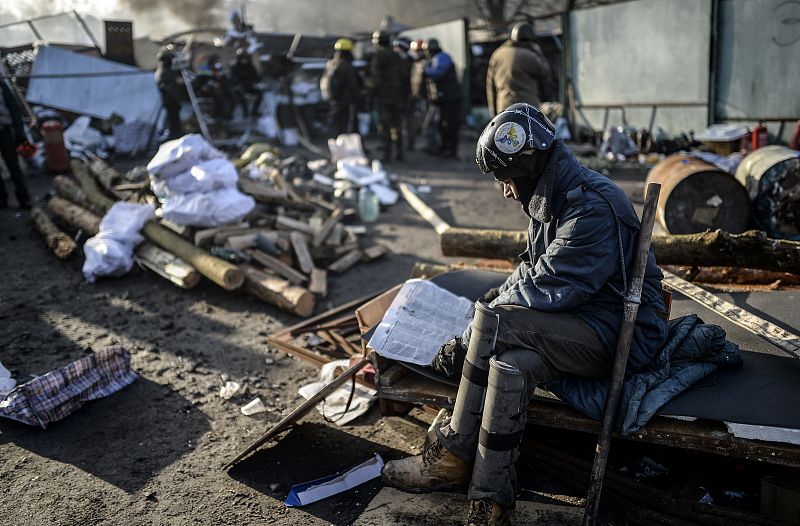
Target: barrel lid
x,y
761,160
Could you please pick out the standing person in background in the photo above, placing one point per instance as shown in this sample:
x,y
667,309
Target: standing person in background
x,y
517,71
444,91
167,83
384,82
402,47
340,87
244,80
417,116
12,134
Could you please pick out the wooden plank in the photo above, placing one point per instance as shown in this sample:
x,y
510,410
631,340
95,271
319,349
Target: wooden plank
x,y
319,282
261,191
346,261
374,252
241,241
427,213
287,223
277,266
327,226
300,247
166,265
206,236
181,230
780,338
278,291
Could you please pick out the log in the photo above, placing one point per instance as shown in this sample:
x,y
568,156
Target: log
x,y
751,249
60,243
319,282
69,190
374,252
262,192
166,265
74,215
278,291
277,266
89,186
326,227
346,261
241,241
300,246
220,272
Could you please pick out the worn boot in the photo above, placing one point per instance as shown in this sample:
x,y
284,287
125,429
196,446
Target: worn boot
x,y
486,512
436,469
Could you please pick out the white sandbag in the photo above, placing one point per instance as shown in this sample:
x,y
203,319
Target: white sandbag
x,y
206,176
208,209
110,252
175,157
345,146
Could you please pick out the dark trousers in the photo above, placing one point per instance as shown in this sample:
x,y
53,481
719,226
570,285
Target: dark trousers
x,y
8,150
543,346
173,120
390,127
449,126
342,118
241,99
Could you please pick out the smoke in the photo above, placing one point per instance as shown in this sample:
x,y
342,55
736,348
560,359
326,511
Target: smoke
x,y
194,13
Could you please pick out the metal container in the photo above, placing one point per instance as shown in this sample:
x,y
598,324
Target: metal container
x,y
697,196
771,176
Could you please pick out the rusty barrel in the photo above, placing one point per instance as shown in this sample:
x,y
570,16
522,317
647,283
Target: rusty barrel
x,y
697,196
771,176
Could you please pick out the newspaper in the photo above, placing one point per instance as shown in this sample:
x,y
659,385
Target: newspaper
x,y
420,319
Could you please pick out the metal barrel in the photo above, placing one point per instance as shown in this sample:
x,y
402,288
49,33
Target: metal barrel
x,y
697,196
771,176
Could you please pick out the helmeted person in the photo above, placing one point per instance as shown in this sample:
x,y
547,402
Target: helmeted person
x,y
557,315
419,122
517,71
341,87
385,84
171,93
12,135
244,81
444,91
402,46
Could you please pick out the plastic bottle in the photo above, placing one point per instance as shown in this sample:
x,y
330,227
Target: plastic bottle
x,y
369,207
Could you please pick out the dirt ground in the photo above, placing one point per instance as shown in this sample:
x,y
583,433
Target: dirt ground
x,y
152,453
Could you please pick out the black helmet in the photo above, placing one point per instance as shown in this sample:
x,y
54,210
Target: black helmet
x,y
516,132
523,32
166,56
380,38
432,46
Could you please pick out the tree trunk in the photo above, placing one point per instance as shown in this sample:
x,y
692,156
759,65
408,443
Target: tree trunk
x,y
74,215
278,291
751,249
60,243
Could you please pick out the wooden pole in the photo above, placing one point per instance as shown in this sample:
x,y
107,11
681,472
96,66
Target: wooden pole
x,y
74,215
631,308
278,291
60,243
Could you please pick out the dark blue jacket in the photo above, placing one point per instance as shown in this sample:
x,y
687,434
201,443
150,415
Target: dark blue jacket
x,y
582,229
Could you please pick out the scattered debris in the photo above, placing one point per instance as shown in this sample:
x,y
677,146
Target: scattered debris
x,y
229,390
253,407
316,490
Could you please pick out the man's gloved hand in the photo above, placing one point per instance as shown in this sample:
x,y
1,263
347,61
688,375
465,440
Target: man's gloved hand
x,y
449,361
490,295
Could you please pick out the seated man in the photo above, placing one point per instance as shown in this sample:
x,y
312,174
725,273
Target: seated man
x,y
558,314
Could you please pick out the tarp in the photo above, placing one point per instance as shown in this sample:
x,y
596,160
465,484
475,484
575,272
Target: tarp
x,y
126,91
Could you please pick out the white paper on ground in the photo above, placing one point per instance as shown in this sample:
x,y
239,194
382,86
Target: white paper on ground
x,y
303,494
421,318
333,406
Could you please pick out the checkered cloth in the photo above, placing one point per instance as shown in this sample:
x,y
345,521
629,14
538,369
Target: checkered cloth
x,y
55,395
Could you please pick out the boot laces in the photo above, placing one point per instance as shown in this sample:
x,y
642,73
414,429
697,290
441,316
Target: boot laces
x,y
480,511
432,453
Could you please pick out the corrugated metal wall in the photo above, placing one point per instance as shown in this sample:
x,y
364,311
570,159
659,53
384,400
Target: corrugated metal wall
x,y
652,52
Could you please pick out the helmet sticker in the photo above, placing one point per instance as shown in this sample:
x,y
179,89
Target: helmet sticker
x,y
510,137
